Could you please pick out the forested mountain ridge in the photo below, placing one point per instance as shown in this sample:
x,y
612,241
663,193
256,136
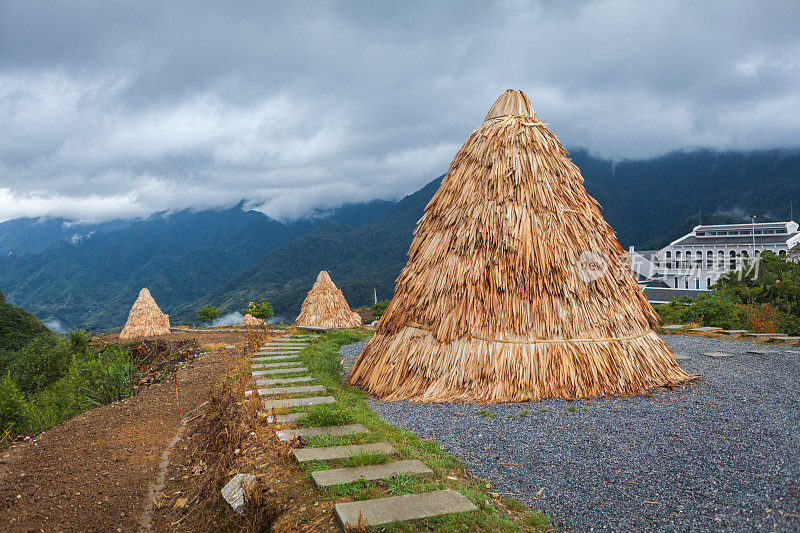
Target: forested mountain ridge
x,y
229,257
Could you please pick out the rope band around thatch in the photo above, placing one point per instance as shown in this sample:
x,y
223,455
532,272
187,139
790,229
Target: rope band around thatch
x,y
538,341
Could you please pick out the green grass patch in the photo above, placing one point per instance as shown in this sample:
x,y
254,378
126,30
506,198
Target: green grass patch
x,y
366,457
486,414
524,413
544,410
326,414
571,409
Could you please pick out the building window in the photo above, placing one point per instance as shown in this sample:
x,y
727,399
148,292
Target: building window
x,y
733,260
708,283
686,282
696,283
676,283
782,252
721,260
709,259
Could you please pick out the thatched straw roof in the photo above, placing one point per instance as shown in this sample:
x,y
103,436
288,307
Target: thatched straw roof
x,y
145,318
514,289
250,320
325,307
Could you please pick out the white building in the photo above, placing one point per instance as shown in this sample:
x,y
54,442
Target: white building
x,y
694,262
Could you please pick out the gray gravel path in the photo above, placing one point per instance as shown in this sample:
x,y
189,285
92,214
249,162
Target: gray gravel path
x,y
720,454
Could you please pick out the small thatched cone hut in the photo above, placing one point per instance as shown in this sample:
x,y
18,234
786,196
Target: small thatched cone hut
x,y
250,320
514,288
325,307
145,318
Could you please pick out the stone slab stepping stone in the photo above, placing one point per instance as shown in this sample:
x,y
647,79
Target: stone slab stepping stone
x,y
304,455
269,351
761,351
717,355
732,331
764,335
338,476
705,328
297,402
277,391
285,419
281,364
302,389
234,490
382,511
271,371
333,431
275,358
786,339
673,326
682,358
278,381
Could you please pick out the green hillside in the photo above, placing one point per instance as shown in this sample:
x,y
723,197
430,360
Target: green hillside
x,y
17,326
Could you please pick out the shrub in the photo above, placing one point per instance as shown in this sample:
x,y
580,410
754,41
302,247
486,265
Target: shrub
x,y
14,410
78,340
42,362
104,377
379,308
762,317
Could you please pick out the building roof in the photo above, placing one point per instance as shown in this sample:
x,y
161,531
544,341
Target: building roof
x,y
743,225
693,240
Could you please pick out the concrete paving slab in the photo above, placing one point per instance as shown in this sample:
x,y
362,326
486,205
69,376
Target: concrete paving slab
x,y
674,326
732,331
705,329
280,364
234,490
278,381
787,338
301,389
761,351
285,419
277,391
764,335
679,357
304,455
334,431
717,355
272,371
338,476
274,358
297,402
382,511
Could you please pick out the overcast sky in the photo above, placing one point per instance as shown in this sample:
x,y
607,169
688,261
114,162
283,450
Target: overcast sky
x,y
119,109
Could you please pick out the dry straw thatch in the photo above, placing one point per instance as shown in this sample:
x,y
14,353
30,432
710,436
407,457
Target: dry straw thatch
x,y
504,297
325,307
145,318
250,320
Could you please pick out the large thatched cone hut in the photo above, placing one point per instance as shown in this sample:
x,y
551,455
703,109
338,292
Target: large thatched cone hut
x,y
515,287
325,307
145,318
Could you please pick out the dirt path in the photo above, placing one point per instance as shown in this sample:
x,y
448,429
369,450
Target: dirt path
x,y
92,473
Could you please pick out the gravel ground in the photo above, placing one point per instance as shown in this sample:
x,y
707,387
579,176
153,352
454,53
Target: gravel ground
x,y
720,454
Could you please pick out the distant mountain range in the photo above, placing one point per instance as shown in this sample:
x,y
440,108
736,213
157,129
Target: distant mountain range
x,y
229,257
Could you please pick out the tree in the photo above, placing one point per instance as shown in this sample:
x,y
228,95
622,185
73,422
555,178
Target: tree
x,y
379,308
208,313
261,309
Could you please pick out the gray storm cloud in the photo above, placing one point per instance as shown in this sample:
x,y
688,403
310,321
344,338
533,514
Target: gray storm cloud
x,y
112,110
